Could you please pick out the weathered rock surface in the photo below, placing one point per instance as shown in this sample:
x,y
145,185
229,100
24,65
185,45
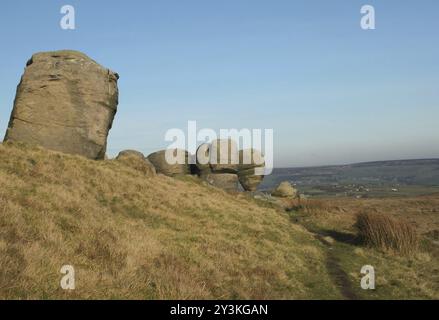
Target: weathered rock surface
x,y
137,161
249,180
224,156
171,169
251,169
250,159
65,102
225,181
202,160
285,190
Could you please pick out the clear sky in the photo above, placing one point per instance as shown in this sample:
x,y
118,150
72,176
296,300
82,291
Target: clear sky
x,y
332,92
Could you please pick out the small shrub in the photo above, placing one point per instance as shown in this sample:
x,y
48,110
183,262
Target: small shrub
x,y
387,233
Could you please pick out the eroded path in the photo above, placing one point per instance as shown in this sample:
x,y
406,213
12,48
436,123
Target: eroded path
x,y
338,276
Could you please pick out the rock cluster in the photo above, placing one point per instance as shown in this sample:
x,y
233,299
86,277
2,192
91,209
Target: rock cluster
x,y
219,163
222,165
65,102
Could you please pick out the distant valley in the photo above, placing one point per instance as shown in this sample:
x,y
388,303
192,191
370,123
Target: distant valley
x,y
362,180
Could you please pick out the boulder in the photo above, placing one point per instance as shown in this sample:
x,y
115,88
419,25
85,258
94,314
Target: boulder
x,y
249,180
224,156
285,190
203,159
250,159
65,102
137,161
177,165
251,169
225,181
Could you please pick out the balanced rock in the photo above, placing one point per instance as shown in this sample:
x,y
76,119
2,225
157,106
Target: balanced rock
x,y
137,161
251,169
249,179
65,102
224,156
251,158
202,158
225,181
171,162
285,190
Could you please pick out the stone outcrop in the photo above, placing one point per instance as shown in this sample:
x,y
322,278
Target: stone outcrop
x,y
224,156
249,180
171,168
203,160
251,168
285,190
137,161
65,102
217,164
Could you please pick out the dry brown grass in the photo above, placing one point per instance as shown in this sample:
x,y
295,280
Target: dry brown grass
x,y
133,237
399,276
387,233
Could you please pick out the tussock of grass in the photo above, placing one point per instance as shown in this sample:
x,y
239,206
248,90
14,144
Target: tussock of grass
x,y
135,237
387,233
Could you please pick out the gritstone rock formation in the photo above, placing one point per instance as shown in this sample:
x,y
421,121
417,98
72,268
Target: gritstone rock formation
x,y
285,190
224,156
137,161
217,164
182,167
202,158
249,180
65,102
250,171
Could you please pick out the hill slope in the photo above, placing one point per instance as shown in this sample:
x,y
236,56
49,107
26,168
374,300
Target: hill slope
x,y
129,236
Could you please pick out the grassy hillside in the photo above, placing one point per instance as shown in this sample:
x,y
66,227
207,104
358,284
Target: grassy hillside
x,y
398,276
129,236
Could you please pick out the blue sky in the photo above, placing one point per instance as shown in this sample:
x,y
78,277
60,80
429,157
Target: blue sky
x,y
332,92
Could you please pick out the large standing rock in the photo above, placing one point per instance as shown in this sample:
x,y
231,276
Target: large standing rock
x,y
251,169
182,167
137,161
65,102
225,181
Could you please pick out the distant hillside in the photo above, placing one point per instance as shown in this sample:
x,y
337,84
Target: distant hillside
x,y
381,173
419,176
